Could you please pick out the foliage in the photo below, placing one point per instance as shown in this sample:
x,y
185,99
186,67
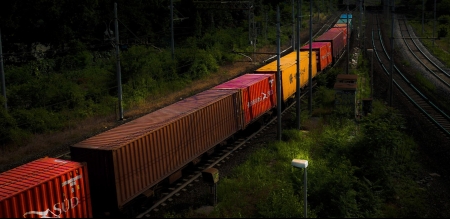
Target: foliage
x,y
350,173
329,78
77,77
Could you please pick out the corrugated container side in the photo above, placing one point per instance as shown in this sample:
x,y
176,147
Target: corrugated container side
x,y
46,187
132,158
337,42
288,71
343,30
323,53
344,26
257,92
304,66
344,21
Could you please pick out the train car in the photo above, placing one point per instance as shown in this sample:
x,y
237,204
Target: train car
x,y
257,92
288,72
343,30
343,20
344,26
337,43
131,159
323,54
344,16
44,188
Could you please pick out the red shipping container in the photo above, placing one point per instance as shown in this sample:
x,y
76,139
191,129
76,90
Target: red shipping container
x,y
341,29
323,53
257,93
46,187
337,42
344,25
133,158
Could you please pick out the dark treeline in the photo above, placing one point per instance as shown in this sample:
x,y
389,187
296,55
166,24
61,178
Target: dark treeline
x,y
59,57
60,25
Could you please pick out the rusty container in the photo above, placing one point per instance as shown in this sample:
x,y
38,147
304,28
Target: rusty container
x,y
337,43
344,26
288,72
343,20
323,53
258,93
46,187
343,30
132,158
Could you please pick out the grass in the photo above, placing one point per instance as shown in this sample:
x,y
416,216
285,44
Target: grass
x,y
441,47
339,183
342,180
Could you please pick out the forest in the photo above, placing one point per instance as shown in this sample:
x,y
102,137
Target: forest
x,y
59,56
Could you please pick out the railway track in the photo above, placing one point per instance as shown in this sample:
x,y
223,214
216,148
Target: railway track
x,y
166,193
215,160
413,47
428,109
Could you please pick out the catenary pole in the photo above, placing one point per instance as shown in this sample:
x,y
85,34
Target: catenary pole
x,y
172,41
298,64
310,58
2,72
391,84
434,22
119,77
278,77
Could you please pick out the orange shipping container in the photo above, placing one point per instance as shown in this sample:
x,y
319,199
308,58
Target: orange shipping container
x,y
129,159
46,187
257,92
288,72
323,53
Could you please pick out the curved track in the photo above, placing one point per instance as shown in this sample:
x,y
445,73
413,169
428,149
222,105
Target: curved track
x,y
413,47
434,114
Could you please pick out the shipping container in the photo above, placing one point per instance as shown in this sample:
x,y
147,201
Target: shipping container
x,y
344,25
46,187
323,53
344,21
132,158
343,30
346,16
258,93
337,43
288,72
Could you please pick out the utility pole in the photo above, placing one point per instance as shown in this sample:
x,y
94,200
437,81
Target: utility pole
x,y
423,13
310,58
278,77
391,84
293,27
348,47
119,77
360,23
2,72
434,22
298,64
171,29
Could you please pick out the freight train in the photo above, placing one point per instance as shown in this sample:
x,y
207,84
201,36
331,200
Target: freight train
x,y
110,170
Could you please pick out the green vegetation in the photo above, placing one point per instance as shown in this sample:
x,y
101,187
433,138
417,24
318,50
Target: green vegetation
x,y
356,169
439,28
76,78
